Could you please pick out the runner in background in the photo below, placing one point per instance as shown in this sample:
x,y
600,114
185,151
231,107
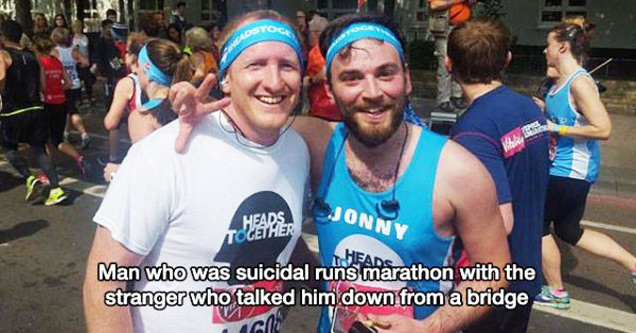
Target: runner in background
x,y
80,41
22,115
577,119
128,98
70,58
55,83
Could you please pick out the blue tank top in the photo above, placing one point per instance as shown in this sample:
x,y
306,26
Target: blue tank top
x,y
354,235
575,158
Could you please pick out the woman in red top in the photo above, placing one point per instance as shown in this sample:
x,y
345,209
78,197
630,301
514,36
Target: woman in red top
x,y
55,80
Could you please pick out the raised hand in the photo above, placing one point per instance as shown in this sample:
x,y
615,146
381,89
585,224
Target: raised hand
x,y
192,104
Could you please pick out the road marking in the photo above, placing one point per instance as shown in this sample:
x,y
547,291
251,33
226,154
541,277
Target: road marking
x,y
608,227
580,311
595,315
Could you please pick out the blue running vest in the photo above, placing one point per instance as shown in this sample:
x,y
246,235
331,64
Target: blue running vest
x,y
354,234
578,159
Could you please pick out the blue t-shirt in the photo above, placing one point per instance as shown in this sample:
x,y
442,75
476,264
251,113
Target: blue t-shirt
x,y
508,133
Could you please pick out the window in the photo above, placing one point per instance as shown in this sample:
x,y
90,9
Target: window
x,y
422,10
336,8
151,4
554,11
207,14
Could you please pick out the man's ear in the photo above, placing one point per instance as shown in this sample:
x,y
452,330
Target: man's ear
x,y
448,64
407,77
225,86
508,58
330,93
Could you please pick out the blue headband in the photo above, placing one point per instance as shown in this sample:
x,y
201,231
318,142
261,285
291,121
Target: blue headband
x,y
255,32
358,31
153,72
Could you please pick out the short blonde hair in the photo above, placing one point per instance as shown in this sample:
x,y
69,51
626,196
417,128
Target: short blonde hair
x,y
198,40
60,36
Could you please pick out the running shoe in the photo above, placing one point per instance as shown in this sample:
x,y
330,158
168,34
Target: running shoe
x,y
30,186
86,141
547,298
56,196
86,166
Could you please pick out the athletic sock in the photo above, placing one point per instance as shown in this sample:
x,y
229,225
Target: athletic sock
x,y
558,292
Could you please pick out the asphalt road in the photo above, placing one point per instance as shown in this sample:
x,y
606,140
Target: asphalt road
x,y
43,253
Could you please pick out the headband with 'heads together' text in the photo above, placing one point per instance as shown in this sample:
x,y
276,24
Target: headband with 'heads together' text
x,y
265,30
358,31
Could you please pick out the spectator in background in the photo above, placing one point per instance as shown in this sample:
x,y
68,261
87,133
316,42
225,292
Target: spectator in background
x,y
320,104
214,31
179,15
202,58
111,15
60,21
80,41
160,21
301,23
444,14
40,26
146,24
109,61
174,34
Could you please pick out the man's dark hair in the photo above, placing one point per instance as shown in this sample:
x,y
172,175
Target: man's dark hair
x,y
336,26
111,12
180,4
12,30
478,50
106,23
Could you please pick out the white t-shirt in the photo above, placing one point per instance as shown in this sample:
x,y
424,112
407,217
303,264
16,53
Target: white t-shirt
x,y
221,203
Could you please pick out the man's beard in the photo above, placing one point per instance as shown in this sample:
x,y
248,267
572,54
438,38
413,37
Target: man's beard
x,y
372,137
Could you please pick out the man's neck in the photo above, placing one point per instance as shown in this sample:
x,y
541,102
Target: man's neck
x,y
246,129
472,91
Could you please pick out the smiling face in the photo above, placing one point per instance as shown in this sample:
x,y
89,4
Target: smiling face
x,y
370,87
264,82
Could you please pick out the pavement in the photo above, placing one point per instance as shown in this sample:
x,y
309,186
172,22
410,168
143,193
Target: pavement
x,y
43,250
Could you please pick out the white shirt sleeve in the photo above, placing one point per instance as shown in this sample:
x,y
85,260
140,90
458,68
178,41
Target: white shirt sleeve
x,y
137,206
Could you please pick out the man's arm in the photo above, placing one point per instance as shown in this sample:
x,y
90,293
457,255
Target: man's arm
x,y
99,317
469,189
487,150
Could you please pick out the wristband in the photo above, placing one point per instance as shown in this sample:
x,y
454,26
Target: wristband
x,y
563,129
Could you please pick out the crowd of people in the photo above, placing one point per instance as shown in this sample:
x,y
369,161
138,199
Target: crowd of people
x,y
226,184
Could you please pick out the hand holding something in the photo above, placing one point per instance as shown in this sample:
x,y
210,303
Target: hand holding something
x,y
192,104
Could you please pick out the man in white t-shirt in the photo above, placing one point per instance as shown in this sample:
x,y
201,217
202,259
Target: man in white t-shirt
x,y
233,199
